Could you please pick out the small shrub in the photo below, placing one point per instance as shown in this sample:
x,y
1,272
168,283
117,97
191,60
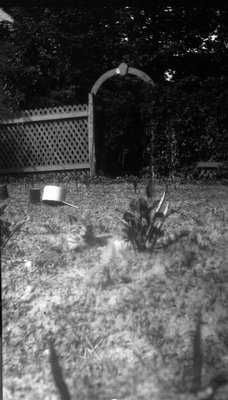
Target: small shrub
x,y
143,223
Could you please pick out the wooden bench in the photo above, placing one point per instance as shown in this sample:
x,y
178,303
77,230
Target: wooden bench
x,y
208,168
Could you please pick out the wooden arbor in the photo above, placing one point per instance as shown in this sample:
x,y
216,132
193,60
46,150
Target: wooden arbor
x,y
122,70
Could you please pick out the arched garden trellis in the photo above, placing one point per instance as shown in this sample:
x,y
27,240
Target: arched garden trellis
x,y
122,70
58,138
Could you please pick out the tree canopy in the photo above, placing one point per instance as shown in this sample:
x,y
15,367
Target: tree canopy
x,y
56,54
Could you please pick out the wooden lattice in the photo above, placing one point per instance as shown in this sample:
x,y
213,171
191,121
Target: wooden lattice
x,y
48,111
46,139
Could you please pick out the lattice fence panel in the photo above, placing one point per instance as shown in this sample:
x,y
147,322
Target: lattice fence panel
x,y
55,142
47,111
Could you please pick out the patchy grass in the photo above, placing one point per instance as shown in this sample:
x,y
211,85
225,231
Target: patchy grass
x,y
122,322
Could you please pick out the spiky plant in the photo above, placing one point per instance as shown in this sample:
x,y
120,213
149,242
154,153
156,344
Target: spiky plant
x,y
143,223
7,229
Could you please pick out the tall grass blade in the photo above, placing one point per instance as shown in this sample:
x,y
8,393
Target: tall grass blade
x,y
164,216
197,356
155,214
57,374
161,201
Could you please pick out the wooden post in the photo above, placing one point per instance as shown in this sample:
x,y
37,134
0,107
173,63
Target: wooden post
x,y
92,156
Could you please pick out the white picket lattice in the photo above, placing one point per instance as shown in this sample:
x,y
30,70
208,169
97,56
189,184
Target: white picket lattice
x,y
45,139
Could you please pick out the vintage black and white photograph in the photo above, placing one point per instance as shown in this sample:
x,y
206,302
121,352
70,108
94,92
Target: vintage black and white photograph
x,y
114,200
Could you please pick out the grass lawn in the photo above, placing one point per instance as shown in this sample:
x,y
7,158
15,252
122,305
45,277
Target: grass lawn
x,y
122,322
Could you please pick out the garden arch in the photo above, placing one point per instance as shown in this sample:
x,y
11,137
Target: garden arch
x,y
122,70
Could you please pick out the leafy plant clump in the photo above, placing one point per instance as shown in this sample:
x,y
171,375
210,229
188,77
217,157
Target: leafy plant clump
x,y
143,223
7,229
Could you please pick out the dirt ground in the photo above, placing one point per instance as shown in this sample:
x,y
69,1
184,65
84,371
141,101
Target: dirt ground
x,y
122,322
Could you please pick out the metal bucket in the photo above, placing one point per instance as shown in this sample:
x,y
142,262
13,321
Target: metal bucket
x,y
35,195
55,195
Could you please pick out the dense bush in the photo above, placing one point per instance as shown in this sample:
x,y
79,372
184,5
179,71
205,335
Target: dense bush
x,y
175,123
187,122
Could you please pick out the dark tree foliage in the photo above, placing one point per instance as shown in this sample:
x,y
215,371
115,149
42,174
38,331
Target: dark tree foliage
x,y
190,118
56,54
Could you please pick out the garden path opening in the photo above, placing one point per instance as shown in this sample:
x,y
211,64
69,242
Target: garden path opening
x,y
117,132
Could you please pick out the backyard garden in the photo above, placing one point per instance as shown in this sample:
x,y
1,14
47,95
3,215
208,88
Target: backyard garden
x,y
118,288
88,314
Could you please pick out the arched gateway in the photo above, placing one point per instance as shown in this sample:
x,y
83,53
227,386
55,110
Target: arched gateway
x,y
55,138
122,70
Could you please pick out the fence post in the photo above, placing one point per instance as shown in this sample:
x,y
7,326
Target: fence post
x,y
92,156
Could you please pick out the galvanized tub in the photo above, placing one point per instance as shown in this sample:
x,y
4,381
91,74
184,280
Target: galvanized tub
x,y
55,195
